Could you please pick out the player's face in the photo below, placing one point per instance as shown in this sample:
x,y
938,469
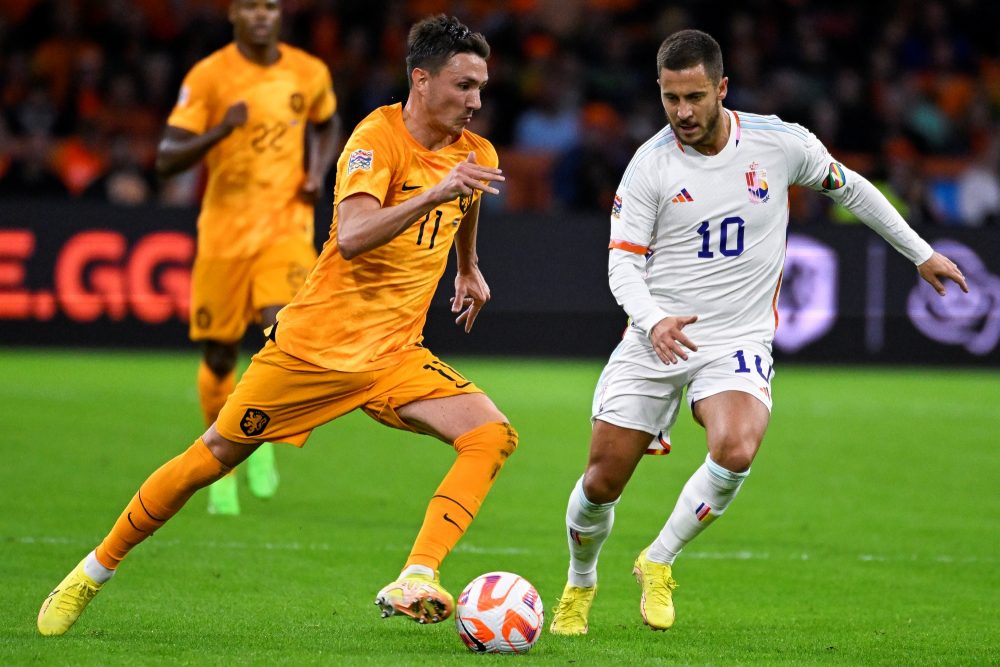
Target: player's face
x,y
452,95
256,22
693,103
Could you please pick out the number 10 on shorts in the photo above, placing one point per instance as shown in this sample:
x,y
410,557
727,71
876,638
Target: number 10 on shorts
x,y
742,367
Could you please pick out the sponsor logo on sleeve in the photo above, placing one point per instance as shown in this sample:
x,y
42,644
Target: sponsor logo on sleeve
x,y
616,207
360,159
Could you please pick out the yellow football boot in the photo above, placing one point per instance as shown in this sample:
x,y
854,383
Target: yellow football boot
x,y
570,616
65,604
657,604
417,596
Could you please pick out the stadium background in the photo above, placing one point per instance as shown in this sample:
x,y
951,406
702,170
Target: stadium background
x,y
93,251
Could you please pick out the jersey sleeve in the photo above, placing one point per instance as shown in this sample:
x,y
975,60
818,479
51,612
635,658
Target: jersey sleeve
x,y
324,100
367,164
194,102
810,163
633,218
814,167
635,207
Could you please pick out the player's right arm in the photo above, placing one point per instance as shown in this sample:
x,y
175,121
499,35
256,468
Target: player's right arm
x,y
633,219
181,148
364,224
625,270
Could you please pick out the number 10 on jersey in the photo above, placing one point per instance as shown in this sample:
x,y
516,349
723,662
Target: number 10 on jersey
x,y
727,245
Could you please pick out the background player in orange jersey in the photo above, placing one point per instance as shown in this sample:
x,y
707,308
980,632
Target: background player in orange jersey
x,y
409,183
250,109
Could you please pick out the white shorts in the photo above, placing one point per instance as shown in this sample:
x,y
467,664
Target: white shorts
x,y
638,391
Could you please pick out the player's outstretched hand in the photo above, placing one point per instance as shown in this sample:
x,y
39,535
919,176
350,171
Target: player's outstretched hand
x,y
309,190
669,340
467,176
471,294
236,115
939,267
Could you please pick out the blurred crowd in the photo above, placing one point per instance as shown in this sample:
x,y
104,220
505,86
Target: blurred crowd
x,y
906,92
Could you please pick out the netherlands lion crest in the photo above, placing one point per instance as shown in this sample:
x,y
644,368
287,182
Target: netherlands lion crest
x,y
254,421
464,202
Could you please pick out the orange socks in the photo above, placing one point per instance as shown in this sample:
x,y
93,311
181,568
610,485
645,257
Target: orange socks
x,y
481,454
213,391
159,498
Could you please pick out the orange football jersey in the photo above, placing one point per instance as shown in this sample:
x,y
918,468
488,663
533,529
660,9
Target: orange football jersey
x,y
354,315
255,173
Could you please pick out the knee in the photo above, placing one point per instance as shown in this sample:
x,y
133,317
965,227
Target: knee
x,y
220,358
506,439
600,487
735,454
734,438
512,438
229,454
735,462
500,439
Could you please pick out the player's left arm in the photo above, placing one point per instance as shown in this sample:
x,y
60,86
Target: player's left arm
x,y
820,171
471,290
863,199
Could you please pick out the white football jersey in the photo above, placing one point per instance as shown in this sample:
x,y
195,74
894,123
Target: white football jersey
x,y
712,229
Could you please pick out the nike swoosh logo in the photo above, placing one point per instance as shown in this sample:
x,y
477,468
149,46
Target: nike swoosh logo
x,y
408,188
133,523
452,521
480,646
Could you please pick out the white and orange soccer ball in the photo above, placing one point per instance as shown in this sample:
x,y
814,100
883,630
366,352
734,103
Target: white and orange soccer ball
x,y
499,612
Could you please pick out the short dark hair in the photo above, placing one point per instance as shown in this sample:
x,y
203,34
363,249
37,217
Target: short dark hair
x,y
435,39
689,48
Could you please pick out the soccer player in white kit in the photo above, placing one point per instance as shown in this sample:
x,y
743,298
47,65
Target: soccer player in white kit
x,y
697,246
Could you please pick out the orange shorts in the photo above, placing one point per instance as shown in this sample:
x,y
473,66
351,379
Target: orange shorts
x,y
281,398
228,294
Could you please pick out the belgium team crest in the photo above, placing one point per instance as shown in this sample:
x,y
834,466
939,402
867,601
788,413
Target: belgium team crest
x,y
757,184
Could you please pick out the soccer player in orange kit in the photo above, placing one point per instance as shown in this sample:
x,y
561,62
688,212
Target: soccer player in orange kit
x,y
249,110
409,186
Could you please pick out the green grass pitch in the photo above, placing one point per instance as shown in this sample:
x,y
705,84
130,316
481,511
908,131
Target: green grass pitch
x,y
867,533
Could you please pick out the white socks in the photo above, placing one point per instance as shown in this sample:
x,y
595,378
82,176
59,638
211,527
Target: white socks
x,y
588,526
93,569
416,569
704,498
